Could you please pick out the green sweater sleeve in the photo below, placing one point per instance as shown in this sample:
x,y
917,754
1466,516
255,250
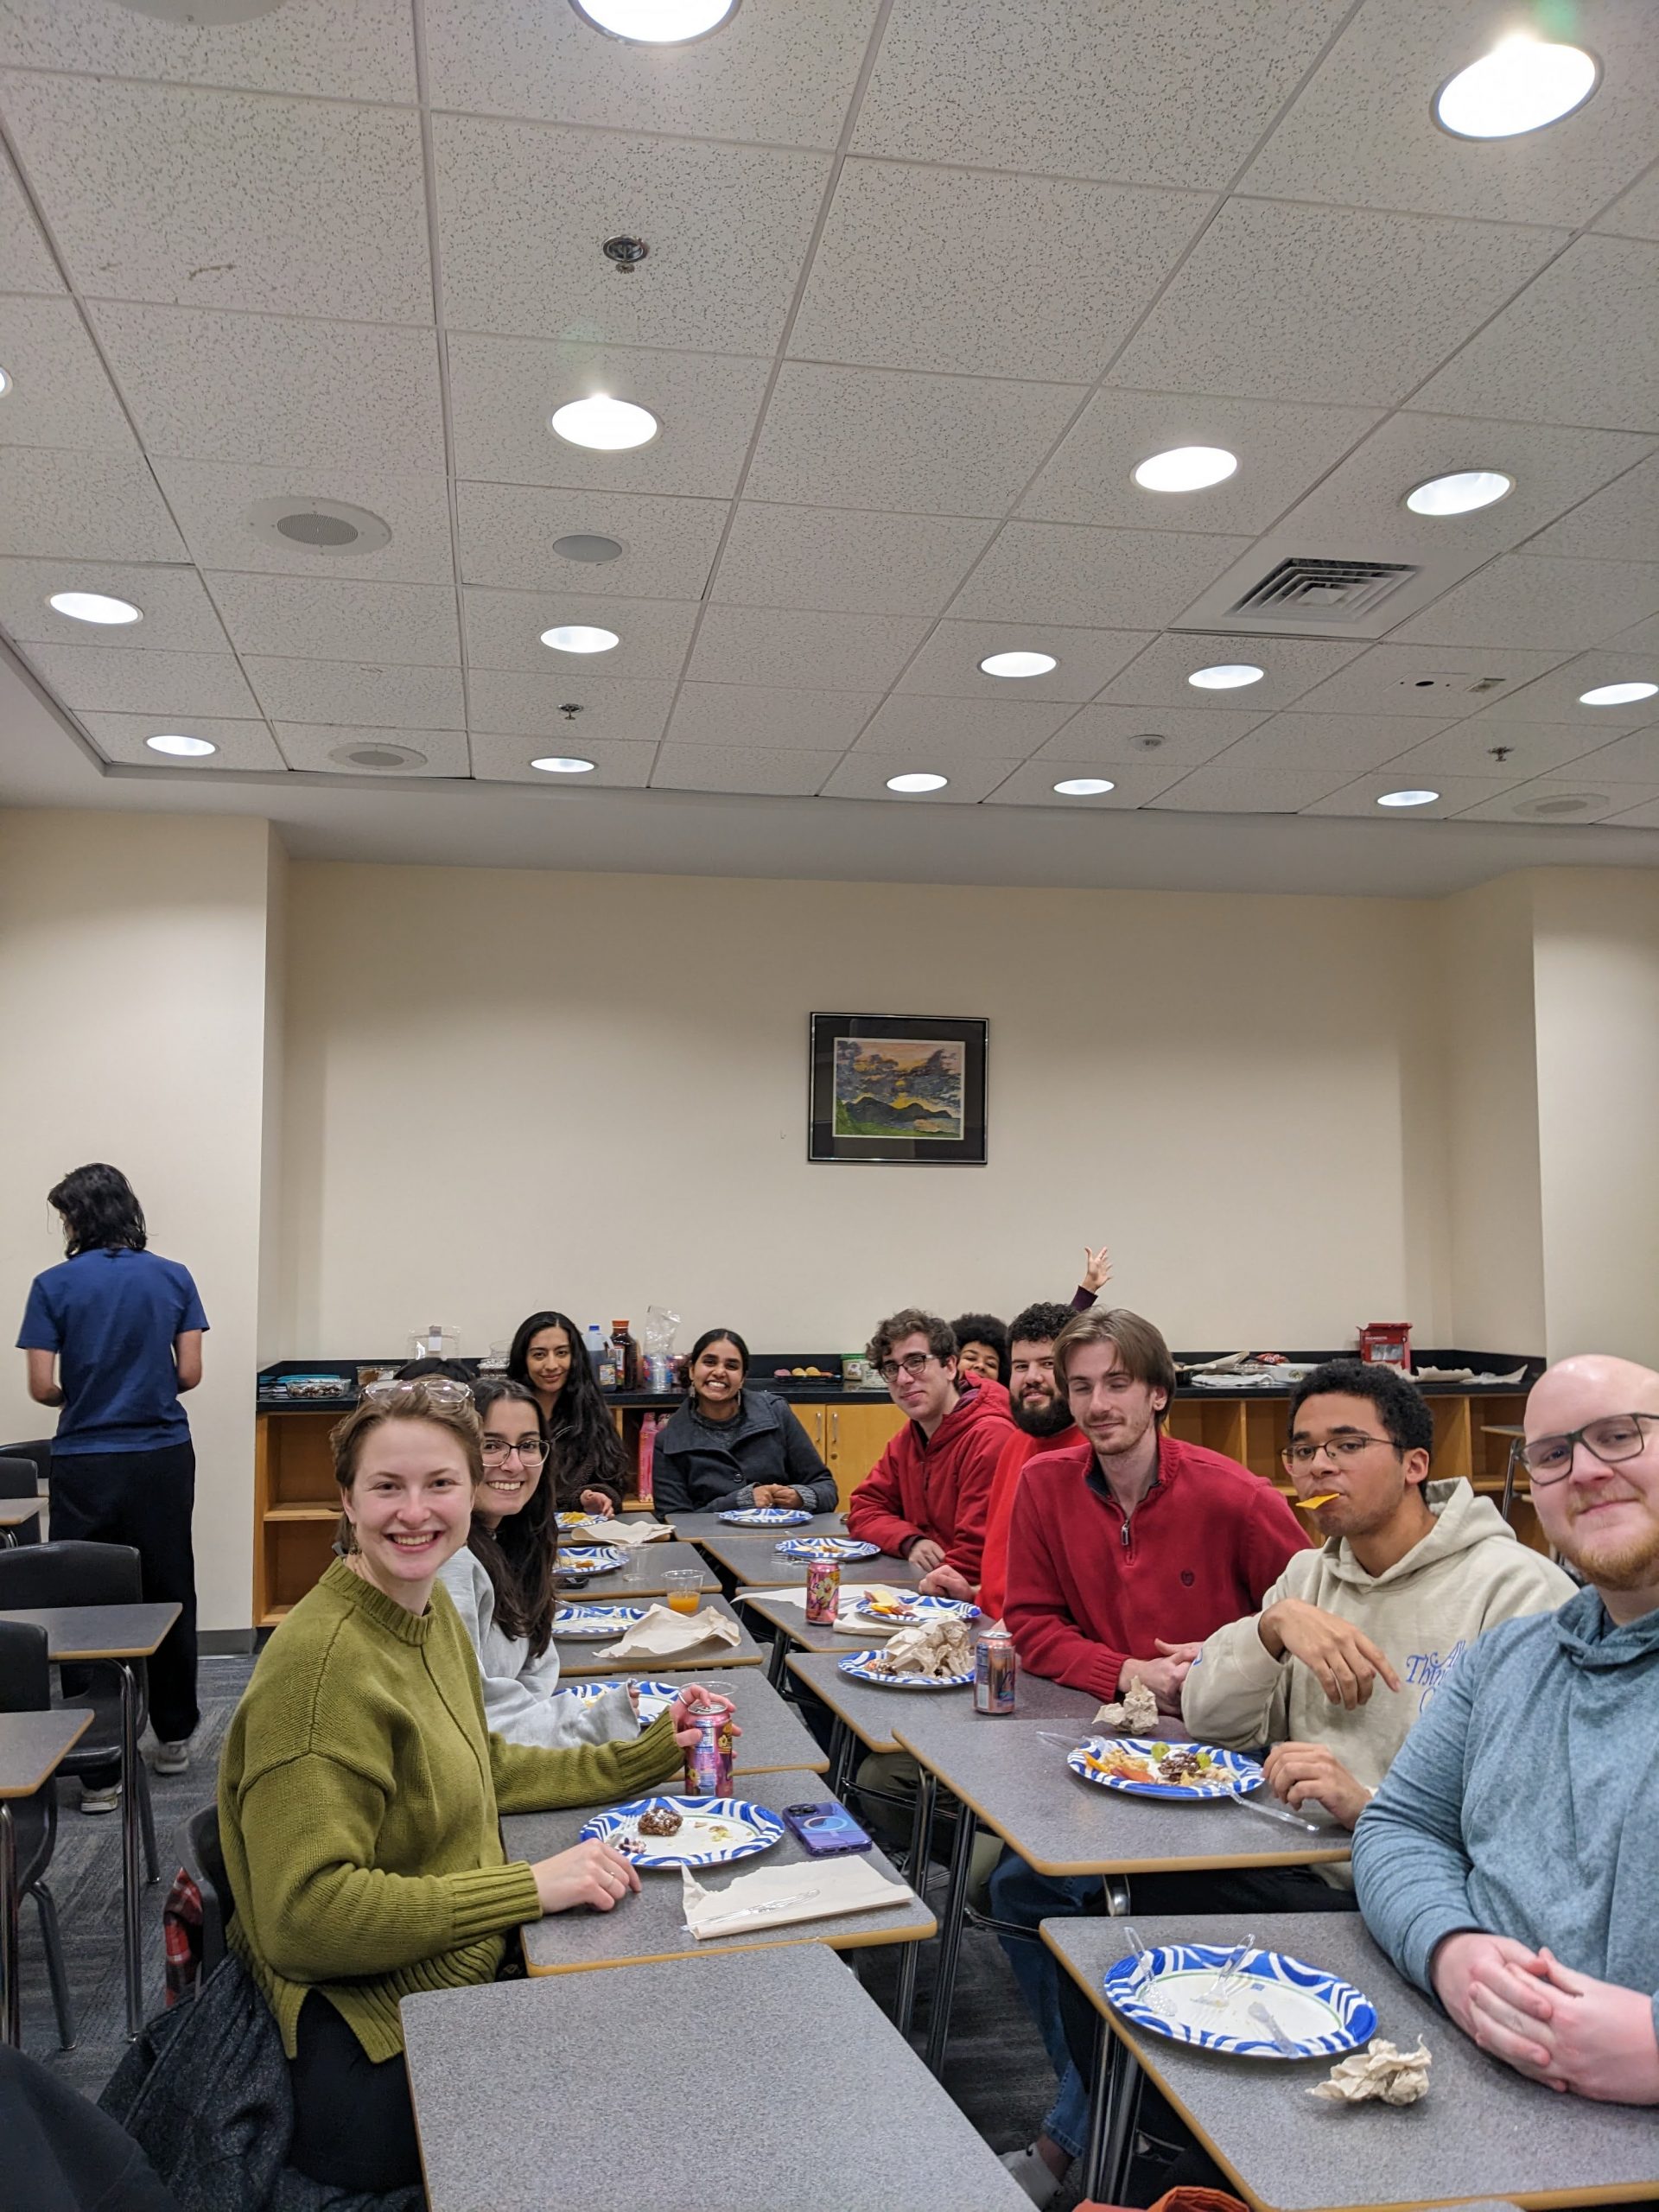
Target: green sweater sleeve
x,y
531,1779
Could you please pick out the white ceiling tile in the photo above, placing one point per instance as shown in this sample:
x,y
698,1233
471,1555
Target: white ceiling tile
x,y
1438,682
1577,346
508,531
954,729
1033,785
365,51
241,744
1637,818
1362,131
177,614
271,389
25,263
1640,637
775,771
504,630
1456,795
60,395
832,652
1468,750
1635,215
846,561
497,759
755,717
783,73
1619,522
1256,306
948,667
226,200
1521,600
1282,450
356,696
1061,572
1111,737
989,275
504,704
314,746
99,506
212,501
503,390
523,209
1557,697
339,618
864,775
1549,798
103,679
1174,96
1349,744
1220,788
1292,666
919,444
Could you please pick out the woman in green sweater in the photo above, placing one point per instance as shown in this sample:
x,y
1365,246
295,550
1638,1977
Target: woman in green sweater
x,y
359,1794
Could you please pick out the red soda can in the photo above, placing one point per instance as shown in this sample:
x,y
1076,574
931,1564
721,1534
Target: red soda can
x,y
709,1761
823,1592
996,1672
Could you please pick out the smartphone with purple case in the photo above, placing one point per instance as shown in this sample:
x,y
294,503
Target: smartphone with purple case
x,y
827,1831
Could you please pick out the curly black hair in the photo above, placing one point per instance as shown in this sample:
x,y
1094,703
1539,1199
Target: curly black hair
x,y
984,1329
1404,1412
1039,1323
100,1211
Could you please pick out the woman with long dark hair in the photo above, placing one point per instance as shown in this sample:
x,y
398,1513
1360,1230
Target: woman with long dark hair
x,y
588,1465
502,1582
729,1447
114,1336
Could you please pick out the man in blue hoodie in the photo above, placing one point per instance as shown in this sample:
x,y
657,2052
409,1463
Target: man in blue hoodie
x,y
1510,1862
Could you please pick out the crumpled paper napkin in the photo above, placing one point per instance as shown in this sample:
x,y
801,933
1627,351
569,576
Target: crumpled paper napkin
x,y
629,1533
933,1649
658,1634
1393,2076
1135,1713
778,1897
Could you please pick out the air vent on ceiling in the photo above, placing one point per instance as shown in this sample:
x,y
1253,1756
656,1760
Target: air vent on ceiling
x,y
1324,591
318,525
378,755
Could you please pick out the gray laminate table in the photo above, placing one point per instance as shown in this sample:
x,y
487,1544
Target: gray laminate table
x,y
795,1631
774,1738
32,1747
866,1714
1482,2127
649,1927
704,1528
121,1637
652,1563
753,1558
702,2109
15,1514
580,1655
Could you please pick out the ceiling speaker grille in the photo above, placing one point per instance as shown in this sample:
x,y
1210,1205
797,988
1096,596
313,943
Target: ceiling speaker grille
x,y
1328,591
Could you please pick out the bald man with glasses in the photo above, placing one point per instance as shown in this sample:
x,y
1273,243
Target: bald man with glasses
x,y
1509,1863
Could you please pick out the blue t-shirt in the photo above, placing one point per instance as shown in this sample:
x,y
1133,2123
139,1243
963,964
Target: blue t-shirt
x,y
112,1318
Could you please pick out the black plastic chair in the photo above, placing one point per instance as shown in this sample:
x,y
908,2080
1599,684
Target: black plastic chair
x,y
76,1574
217,1905
18,1478
25,1687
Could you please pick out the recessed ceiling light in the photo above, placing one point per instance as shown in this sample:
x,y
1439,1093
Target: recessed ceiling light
x,y
563,764
1407,798
181,748
1085,787
656,22
1186,468
94,607
579,638
1018,664
1226,675
1462,493
1521,85
604,424
1617,694
920,783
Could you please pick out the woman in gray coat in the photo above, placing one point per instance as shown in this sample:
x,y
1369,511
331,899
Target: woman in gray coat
x,y
729,1447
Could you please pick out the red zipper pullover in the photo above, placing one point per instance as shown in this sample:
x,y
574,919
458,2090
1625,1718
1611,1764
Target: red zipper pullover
x,y
1089,1592
936,1486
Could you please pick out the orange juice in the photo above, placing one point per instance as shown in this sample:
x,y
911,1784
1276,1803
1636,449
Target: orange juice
x,y
685,1601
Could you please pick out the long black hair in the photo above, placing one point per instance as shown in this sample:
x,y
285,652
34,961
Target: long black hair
x,y
585,1443
520,1554
100,1211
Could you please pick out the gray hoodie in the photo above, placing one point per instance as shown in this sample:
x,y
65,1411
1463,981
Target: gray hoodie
x,y
1528,1803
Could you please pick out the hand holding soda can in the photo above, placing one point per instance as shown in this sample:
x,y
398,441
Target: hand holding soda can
x,y
709,1761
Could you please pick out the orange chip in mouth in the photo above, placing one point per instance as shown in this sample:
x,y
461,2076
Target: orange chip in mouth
x,y
1325,1497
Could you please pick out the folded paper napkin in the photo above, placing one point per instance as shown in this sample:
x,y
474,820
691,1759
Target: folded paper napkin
x,y
1396,2077
658,1634
629,1533
777,1897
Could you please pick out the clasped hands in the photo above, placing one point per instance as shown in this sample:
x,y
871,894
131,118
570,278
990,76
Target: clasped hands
x,y
1564,2028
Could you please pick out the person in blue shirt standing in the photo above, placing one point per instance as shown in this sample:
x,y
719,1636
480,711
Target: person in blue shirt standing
x,y
114,1336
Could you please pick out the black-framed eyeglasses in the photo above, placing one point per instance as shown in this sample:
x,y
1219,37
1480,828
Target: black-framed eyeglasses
x,y
1340,1451
1614,1436
913,1362
528,1447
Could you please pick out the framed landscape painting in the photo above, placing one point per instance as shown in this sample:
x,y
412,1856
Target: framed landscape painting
x,y
897,1089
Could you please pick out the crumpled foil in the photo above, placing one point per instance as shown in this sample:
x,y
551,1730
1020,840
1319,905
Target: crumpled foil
x,y
1394,2077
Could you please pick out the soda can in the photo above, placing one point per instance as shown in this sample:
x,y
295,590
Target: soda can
x,y
823,1592
996,1674
709,1761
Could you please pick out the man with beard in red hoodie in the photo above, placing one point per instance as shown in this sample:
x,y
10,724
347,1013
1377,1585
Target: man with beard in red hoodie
x,y
926,1498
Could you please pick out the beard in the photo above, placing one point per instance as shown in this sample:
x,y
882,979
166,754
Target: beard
x,y
1041,1417
1633,1565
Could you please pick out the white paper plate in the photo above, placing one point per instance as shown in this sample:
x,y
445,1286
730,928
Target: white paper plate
x,y
860,1665
593,1623
591,1559
655,1697
713,1831
1320,2014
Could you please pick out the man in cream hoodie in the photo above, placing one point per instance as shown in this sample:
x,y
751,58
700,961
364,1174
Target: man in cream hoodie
x,y
1354,1640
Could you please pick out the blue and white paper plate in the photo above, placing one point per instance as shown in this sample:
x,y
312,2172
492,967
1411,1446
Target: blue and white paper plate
x,y
767,1517
1230,1774
1319,2015
713,1831
860,1665
839,1548
655,1697
595,1620
591,1559
909,1609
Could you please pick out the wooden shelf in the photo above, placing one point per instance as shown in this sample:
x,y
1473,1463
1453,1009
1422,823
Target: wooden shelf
x,y
318,1510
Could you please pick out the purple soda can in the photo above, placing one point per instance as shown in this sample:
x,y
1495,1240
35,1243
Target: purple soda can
x,y
709,1761
823,1592
996,1672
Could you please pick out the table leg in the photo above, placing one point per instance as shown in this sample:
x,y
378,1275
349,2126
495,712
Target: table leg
x,y
956,1898
840,1759
13,2030
8,1539
921,1835
775,1664
1509,1476
1094,2154
130,1844
1120,2142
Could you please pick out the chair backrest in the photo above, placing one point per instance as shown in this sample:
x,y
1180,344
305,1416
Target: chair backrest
x,y
217,1905
25,1677
37,1451
69,1574
18,1478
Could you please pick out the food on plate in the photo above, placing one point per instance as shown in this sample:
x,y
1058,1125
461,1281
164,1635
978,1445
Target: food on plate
x,y
1166,1762
933,1649
661,1819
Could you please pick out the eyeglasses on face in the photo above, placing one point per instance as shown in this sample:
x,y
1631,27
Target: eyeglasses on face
x,y
436,1389
527,1448
913,1362
1341,1450
1614,1436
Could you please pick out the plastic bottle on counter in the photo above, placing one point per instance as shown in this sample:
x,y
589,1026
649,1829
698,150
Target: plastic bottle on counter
x,y
595,1348
625,1348
648,1429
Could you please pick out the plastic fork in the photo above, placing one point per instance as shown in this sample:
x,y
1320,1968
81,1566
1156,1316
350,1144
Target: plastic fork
x,y
1282,2042
1146,1981
1228,1972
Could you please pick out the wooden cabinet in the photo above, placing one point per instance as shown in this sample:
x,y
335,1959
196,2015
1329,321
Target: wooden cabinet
x,y
295,1508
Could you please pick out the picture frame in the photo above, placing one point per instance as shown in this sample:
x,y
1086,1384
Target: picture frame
x,y
897,1089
